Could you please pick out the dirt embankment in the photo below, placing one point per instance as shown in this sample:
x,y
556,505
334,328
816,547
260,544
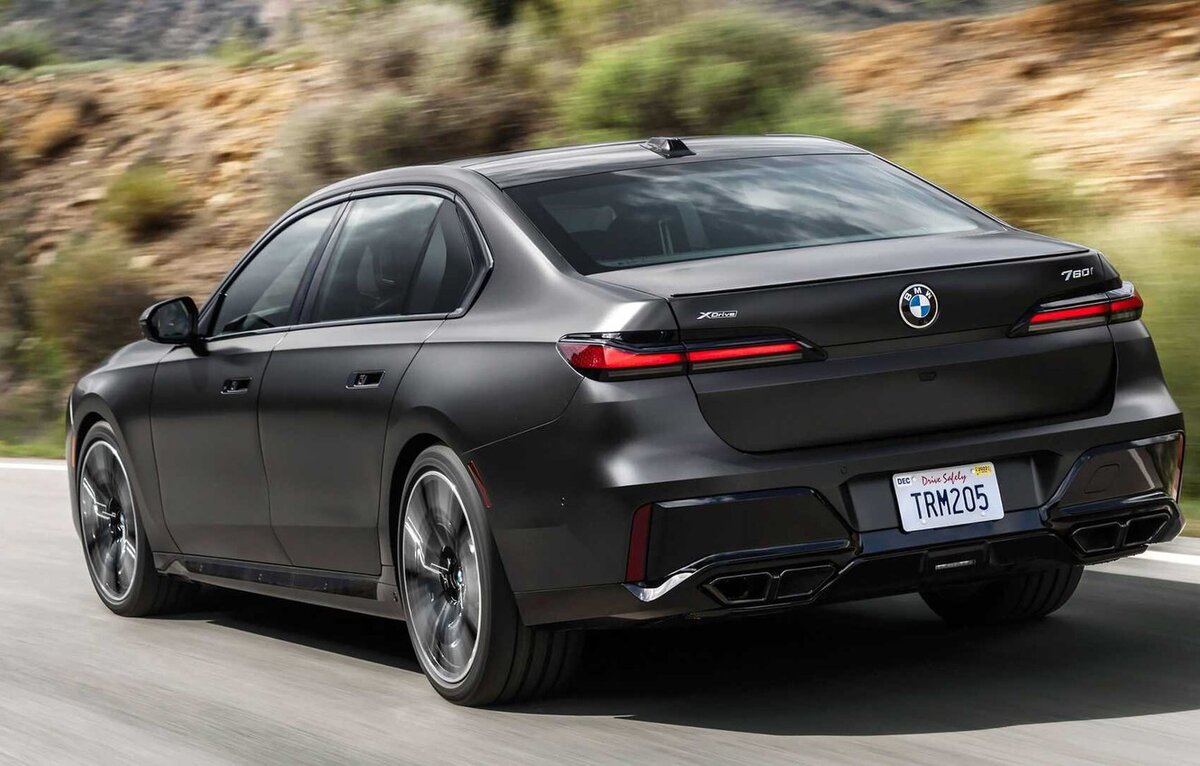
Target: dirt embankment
x,y
1114,97
207,125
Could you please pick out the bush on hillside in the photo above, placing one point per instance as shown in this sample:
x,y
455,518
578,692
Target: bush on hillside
x,y
992,171
818,111
419,46
433,84
1161,260
25,49
53,130
145,200
723,73
88,300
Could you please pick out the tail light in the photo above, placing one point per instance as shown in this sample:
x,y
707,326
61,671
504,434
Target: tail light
x,y
1120,305
617,356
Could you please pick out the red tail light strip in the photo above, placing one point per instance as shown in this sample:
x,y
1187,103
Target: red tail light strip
x,y
604,360
745,352
1066,315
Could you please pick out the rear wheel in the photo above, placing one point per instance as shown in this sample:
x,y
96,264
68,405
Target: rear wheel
x,y
1017,598
461,614
114,543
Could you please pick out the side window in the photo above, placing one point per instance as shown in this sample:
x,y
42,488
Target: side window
x,y
397,255
260,296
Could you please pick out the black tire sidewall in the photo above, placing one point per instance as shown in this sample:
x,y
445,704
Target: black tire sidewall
x,y
493,654
143,579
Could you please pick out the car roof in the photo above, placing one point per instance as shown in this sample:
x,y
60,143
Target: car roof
x,y
525,167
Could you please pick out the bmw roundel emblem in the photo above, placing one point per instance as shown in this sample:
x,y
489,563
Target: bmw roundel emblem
x,y
918,306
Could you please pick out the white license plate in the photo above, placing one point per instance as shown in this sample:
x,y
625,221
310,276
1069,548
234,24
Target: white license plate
x,y
948,497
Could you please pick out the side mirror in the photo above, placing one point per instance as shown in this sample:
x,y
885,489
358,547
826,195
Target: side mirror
x,y
172,322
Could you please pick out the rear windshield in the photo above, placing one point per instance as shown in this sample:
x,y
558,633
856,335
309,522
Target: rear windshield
x,y
694,210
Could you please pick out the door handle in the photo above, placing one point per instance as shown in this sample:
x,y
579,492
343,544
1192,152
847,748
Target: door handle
x,y
364,379
236,386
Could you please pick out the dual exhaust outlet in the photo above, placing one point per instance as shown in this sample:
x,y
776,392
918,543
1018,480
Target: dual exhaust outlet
x,y
750,588
1111,536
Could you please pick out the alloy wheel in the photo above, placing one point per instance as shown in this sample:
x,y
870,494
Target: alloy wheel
x,y
441,579
108,521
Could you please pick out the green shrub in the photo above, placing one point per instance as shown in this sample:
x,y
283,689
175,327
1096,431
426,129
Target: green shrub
x,y
992,171
1161,260
87,302
432,84
25,49
818,111
417,47
578,27
303,157
730,72
145,200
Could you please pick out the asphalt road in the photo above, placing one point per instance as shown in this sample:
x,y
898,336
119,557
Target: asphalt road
x,y
1112,678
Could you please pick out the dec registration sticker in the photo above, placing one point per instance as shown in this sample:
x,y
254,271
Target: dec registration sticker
x,y
948,497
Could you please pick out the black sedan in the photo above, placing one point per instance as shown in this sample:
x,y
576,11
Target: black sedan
x,y
511,398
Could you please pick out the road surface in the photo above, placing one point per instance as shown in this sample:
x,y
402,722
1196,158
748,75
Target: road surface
x,y
1112,678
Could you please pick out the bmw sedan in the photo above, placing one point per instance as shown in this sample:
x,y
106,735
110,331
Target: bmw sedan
x,y
511,398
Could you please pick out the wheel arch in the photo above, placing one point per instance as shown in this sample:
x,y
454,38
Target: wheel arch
x,y
395,492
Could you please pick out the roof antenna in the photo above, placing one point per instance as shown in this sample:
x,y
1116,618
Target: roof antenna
x,y
668,147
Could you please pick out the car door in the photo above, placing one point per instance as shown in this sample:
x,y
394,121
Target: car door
x,y
398,266
204,416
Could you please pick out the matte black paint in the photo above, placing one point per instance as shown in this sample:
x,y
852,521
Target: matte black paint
x,y
298,478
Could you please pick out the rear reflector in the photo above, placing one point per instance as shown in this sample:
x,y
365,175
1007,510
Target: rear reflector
x,y
639,545
1121,305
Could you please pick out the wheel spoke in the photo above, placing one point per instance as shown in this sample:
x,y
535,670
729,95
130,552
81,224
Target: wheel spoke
x,y
109,566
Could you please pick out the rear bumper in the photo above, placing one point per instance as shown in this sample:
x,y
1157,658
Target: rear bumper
x,y
824,525
785,578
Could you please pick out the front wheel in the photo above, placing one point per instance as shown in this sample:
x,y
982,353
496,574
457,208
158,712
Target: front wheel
x,y
461,614
114,543
1016,598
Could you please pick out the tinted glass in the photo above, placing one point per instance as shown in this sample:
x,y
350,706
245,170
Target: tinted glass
x,y
399,255
260,297
696,210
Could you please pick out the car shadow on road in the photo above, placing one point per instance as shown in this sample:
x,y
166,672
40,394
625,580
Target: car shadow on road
x,y
1124,646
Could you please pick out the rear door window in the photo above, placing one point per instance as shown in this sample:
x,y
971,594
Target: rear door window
x,y
693,210
397,255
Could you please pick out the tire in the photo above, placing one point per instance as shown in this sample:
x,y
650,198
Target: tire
x,y
458,606
1017,598
115,550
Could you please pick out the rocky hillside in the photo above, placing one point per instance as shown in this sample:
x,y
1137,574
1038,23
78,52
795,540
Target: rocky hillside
x,y
171,29
1118,107
1111,93
863,14
143,30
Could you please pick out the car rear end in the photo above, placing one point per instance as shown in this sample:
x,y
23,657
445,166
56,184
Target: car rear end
x,y
868,388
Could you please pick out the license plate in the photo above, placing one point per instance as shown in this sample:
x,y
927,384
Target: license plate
x,y
948,497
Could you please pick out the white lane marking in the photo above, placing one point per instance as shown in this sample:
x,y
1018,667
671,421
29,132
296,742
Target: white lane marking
x,y
1171,558
35,466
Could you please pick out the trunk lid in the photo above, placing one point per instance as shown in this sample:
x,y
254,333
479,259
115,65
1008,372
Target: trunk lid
x,y
882,377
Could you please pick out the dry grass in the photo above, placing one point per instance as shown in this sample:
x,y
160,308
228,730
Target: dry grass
x,y
52,131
